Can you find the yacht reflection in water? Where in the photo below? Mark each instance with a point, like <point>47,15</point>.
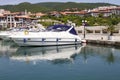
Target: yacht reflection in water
<point>50,53</point>
<point>7,48</point>
<point>59,54</point>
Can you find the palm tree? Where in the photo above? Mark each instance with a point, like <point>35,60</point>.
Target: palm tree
<point>111,29</point>
<point>111,25</point>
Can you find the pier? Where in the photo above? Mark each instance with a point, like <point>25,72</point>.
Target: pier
<point>102,39</point>
<point>104,42</point>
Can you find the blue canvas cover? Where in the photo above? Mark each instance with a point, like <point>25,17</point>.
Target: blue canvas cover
<point>59,28</point>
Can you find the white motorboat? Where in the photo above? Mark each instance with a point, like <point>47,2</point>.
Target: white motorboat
<point>4,34</point>
<point>54,35</point>
<point>18,31</point>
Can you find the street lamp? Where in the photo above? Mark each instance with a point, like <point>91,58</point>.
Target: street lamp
<point>84,23</point>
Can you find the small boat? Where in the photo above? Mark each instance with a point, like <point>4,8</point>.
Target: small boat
<point>4,35</point>
<point>53,35</point>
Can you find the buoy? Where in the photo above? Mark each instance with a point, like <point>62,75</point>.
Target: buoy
<point>26,32</point>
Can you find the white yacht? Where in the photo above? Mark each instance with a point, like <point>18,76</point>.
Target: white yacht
<point>18,31</point>
<point>54,35</point>
<point>4,34</point>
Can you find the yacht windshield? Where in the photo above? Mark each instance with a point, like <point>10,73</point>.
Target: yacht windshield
<point>58,28</point>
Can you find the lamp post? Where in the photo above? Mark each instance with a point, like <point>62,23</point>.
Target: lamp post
<point>84,23</point>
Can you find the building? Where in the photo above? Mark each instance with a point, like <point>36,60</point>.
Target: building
<point>76,13</point>
<point>115,11</point>
<point>55,13</point>
<point>104,13</point>
<point>2,20</point>
<point>10,20</point>
<point>38,15</point>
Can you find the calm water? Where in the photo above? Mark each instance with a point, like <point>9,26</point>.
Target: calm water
<point>83,62</point>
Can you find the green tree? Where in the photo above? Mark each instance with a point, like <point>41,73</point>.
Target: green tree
<point>111,25</point>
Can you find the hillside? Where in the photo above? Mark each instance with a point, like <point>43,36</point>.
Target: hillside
<point>50,6</point>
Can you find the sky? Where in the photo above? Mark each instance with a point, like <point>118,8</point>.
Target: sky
<point>5,2</point>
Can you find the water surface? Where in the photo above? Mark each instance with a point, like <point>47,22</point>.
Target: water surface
<point>73,62</point>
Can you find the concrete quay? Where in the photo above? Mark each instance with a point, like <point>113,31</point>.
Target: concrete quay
<point>104,42</point>
<point>102,39</point>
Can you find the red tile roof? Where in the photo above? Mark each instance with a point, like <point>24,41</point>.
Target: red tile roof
<point>22,16</point>
<point>76,12</point>
<point>1,15</point>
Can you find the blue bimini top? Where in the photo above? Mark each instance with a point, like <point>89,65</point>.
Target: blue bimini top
<point>59,28</point>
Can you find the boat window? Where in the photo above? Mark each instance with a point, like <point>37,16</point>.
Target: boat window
<point>58,28</point>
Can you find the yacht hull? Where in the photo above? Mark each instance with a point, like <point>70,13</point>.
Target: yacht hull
<point>45,41</point>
